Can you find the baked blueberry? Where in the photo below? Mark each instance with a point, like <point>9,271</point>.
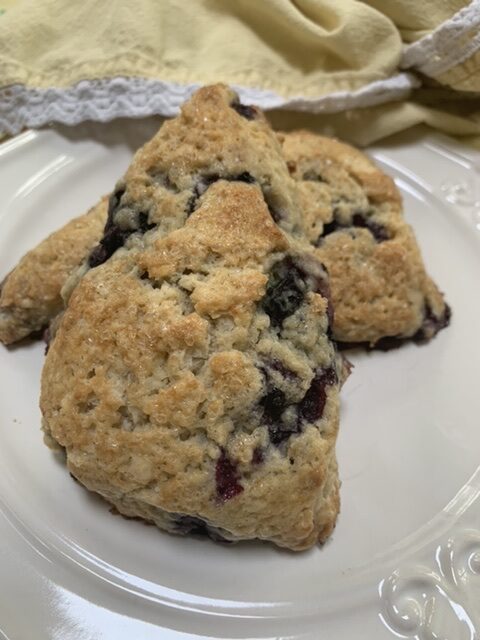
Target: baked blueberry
<point>227,478</point>
<point>310,408</point>
<point>246,111</point>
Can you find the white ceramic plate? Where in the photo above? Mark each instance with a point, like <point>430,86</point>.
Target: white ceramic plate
<point>405,557</point>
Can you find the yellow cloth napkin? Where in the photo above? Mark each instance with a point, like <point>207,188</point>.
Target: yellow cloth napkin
<point>293,48</point>
<point>414,19</point>
<point>328,64</point>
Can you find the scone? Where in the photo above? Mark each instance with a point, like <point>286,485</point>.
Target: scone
<point>30,294</point>
<point>192,381</point>
<point>381,292</point>
<point>352,214</point>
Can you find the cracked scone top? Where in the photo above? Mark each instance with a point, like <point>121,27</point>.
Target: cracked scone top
<point>353,216</point>
<point>191,380</point>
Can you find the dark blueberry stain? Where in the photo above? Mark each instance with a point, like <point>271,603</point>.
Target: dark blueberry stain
<point>432,324</point>
<point>197,526</point>
<point>286,288</point>
<point>258,456</point>
<point>246,111</point>
<point>274,404</point>
<point>227,478</point>
<point>113,236</point>
<point>377,230</point>
<point>244,177</point>
<point>311,407</point>
<point>189,524</point>
<point>143,224</point>
<point>113,239</point>
<point>388,343</point>
<point>359,220</point>
<point>330,227</point>
<point>285,292</point>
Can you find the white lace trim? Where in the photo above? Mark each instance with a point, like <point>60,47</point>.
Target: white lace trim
<point>450,44</point>
<point>109,98</point>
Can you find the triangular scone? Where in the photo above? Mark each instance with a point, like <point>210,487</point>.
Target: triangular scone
<point>30,294</point>
<point>353,216</point>
<point>192,381</point>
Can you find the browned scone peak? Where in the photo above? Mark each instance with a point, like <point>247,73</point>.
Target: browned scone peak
<point>192,381</point>
<point>214,138</point>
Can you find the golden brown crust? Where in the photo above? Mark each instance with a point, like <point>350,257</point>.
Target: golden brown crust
<point>353,215</point>
<point>30,295</point>
<point>174,388</point>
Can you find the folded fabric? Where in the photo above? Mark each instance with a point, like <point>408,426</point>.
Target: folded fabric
<point>415,20</point>
<point>68,62</point>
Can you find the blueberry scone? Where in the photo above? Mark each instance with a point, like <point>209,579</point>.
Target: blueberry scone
<point>30,294</point>
<point>192,381</point>
<point>353,216</point>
